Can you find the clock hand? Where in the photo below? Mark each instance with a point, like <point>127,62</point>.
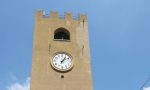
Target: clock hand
<point>63,60</point>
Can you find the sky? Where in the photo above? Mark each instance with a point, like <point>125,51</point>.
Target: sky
<point>119,41</point>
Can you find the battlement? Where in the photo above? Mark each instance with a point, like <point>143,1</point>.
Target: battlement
<point>67,16</point>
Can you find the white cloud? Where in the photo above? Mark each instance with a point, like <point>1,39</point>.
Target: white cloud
<point>18,86</point>
<point>147,88</point>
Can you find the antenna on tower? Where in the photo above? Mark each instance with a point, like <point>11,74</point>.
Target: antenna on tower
<point>147,80</point>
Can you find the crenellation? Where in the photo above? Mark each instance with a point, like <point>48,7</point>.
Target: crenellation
<point>66,16</point>
<point>54,14</point>
<point>40,13</point>
<point>83,17</point>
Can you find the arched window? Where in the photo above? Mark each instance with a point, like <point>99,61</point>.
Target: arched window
<point>61,34</point>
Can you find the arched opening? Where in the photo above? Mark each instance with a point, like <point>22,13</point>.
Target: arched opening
<point>61,34</point>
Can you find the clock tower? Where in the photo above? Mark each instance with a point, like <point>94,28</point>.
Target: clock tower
<point>61,54</point>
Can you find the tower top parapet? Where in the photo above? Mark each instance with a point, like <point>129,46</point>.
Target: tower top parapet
<point>67,15</point>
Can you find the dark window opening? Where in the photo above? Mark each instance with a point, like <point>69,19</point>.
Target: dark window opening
<point>62,34</point>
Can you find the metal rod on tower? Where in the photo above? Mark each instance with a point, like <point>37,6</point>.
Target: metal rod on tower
<point>147,80</point>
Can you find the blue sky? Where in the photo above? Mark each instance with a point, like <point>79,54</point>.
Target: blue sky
<point>119,40</point>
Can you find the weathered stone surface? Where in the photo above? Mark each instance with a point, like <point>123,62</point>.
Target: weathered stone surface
<point>44,77</point>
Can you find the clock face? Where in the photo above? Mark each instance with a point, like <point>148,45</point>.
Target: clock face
<point>62,62</point>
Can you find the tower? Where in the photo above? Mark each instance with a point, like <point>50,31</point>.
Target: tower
<point>61,54</point>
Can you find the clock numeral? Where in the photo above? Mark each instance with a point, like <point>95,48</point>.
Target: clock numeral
<point>59,55</point>
<point>56,57</point>
<point>62,67</point>
<point>69,60</point>
<point>66,66</point>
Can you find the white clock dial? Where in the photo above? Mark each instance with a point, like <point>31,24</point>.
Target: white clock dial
<point>62,62</point>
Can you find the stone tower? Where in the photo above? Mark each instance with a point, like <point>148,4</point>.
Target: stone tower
<point>61,54</point>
